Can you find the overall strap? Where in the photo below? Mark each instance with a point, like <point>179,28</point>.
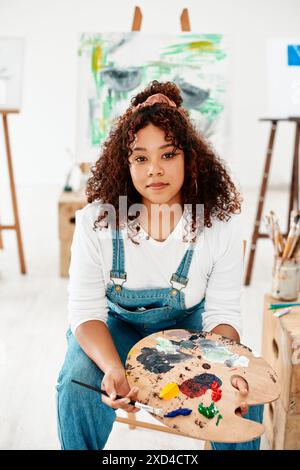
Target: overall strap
<point>118,261</point>
<point>181,274</point>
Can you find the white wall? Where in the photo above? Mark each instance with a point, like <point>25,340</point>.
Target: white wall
<point>46,125</point>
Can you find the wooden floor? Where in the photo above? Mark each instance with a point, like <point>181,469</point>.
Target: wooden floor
<point>33,320</point>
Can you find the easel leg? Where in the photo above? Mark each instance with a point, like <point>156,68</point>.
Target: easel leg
<point>137,19</point>
<point>13,195</point>
<point>185,20</point>
<point>294,188</point>
<point>1,239</point>
<point>263,188</point>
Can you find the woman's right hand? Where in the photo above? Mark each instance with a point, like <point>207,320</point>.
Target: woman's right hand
<point>115,383</point>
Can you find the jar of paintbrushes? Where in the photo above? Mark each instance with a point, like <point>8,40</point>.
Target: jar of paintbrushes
<point>286,267</point>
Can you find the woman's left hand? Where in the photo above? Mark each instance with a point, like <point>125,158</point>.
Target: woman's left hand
<point>239,383</point>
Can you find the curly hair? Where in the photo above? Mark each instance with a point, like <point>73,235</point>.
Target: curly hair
<point>206,178</point>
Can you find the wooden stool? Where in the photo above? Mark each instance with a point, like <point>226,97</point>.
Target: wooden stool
<point>281,349</point>
<point>69,203</point>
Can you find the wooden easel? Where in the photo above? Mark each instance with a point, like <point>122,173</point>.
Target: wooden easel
<point>16,225</point>
<point>131,420</point>
<point>294,187</point>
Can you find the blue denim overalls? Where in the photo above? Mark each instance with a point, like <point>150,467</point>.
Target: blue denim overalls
<point>83,420</point>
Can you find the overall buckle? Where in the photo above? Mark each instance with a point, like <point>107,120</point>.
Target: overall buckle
<point>118,286</point>
<point>183,282</point>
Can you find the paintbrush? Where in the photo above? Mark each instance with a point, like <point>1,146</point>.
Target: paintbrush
<point>297,249</point>
<point>282,312</point>
<point>267,221</point>
<point>272,219</point>
<point>292,236</point>
<point>287,304</point>
<point>279,238</point>
<point>274,232</point>
<point>296,237</point>
<point>137,404</point>
<point>278,249</point>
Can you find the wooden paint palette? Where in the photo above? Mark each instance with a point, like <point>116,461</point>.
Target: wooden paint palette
<point>202,365</point>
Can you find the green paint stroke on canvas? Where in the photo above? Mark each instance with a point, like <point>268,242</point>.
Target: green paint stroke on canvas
<point>86,42</point>
<point>195,50</point>
<point>97,64</point>
<point>211,108</point>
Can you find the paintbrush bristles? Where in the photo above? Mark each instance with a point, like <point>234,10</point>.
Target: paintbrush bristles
<point>296,238</point>
<point>150,409</point>
<point>284,248</point>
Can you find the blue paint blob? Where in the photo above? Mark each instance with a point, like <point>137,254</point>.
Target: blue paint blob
<point>178,412</point>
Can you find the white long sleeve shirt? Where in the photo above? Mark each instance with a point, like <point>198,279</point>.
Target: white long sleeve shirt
<point>215,272</point>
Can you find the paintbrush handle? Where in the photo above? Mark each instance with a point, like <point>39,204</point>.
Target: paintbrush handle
<point>280,240</point>
<point>277,245</point>
<point>289,243</point>
<point>293,244</point>
<point>295,240</point>
<point>289,304</point>
<point>103,392</point>
<point>297,249</point>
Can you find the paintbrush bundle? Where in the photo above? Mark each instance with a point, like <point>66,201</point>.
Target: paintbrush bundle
<point>188,374</point>
<point>286,268</point>
<point>284,248</point>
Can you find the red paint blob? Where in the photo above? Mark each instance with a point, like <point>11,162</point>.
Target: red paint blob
<point>216,395</point>
<point>215,386</point>
<point>192,389</point>
<point>217,392</point>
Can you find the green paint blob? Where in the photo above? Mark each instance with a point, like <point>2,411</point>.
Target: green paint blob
<point>208,411</point>
<point>218,419</point>
<point>214,352</point>
<point>166,346</point>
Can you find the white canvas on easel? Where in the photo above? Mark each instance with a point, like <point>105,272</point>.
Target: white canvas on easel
<point>11,71</point>
<point>113,67</point>
<point>283,62</point>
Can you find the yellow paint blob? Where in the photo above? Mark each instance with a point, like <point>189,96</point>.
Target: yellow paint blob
<point>171,390</point>
<point>132,351</point>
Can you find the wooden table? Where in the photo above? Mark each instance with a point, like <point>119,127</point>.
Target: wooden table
<point>68,204</point>
<point>281,349</point>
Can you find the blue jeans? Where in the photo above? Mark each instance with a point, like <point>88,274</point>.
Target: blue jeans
<point>84,421</point>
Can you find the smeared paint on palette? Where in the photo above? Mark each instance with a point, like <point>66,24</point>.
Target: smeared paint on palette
<point>160,362</point>
<point>179,370</point>
<point>166,346</point>
<point>198,385</point>
<point>212,351</point>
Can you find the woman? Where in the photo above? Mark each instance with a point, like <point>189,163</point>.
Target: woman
<point>157,263</point>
